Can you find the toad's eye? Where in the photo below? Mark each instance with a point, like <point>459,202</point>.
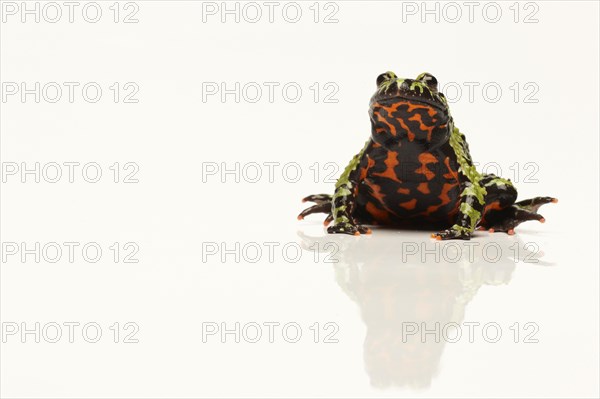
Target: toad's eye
<point>429,80</point>
<point>385,77</point>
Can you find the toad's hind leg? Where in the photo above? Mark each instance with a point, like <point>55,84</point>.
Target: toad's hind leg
<point>501,212</point>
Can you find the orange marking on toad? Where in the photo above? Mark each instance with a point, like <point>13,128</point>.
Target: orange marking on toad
<point>409,205</point>
<point>425,159</point>
<point>390,163</point>
<point>424,188</point>
<point>422,126</point>
<point>452,174</point>
<point>377,213</point>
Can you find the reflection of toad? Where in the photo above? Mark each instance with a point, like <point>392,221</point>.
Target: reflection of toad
<point>391,294</point>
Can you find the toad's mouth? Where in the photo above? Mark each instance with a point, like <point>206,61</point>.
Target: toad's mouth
<point>412,98</point>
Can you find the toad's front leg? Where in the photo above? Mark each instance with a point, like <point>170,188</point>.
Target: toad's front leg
<point>343,209</point>
<point>469,213</point>
<point>344,200</point>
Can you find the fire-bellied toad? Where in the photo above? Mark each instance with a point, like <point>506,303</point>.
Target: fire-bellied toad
<point>416,171</point>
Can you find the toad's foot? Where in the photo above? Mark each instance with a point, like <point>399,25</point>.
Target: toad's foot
<point>453,233</point>
<point>507,219</point>
<point>323,205</point>
<point>348,228</point>
<point>318,198</point>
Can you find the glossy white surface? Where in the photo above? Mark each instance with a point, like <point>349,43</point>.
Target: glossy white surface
<point>367,294</point>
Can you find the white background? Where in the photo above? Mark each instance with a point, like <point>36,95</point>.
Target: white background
<point>375,285</point>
